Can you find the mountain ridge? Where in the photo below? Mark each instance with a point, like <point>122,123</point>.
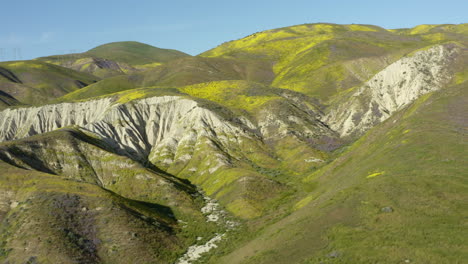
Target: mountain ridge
<point>334,143</point>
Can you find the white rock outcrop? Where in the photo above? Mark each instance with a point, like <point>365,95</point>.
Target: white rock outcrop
<point>134,128</point>
<point>391,89</point>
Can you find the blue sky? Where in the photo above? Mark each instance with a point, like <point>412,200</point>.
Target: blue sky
<point>39,28</point>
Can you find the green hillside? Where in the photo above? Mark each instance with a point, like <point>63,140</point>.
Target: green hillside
<point>35,82</point>
<point>135,53</point>
<point>396,194</point>
<point>116,58</point>
<point>327,58</point>
<point>181,72</point>
<point>7,100</point>
<point>315,143</point>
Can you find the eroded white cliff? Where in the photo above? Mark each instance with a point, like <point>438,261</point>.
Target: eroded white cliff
<point>136,128</point>
<point>390,90</point>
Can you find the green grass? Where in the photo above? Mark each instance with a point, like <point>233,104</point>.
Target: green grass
<point>327,59</point>
<point>178,73</point>
<point>123,210</point>
<point>123,58</point>
<point>135,53</point>
<point>104,87</point>
<point>233,94</point>
<point>321,59</point>
<point>6,100</point>
<point>40,82</point>
<point>297,204</point>
<point>51,224</point>
<point>418,170</point>
<point>130,52</point>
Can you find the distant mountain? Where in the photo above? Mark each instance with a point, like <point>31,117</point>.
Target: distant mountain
<point>116,58</point>
<point>135,53</point>
<point>181,72</point>
<point>315,143</point>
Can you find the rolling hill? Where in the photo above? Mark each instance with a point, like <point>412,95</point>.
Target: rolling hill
<point>315,143</point>
<point>35,82</point>
<point>116,58</point>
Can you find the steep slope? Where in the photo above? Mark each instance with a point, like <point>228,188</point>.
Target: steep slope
<point>83,158</point>
<point>197,139</point>
<point>321,60</point>
<point>7,100</point>
<point>141,131</point>
<point>52,219</point>
<point>396,195</point>
<point>34,82</point>
<point>333,143</point>
<point>142,199</point>
<point>393,88</point>
<point>180,72</point>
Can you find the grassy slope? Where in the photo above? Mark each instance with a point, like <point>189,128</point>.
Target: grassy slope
<point>101,68</point>
<point>338,203</point>
<point>145,218</point>
<point>129,52</point>
<point>7,100</point>
<point>37,82</point>
<point>430,30</point>
<point>412,163</point>
<point>47,223</point>
<point>327,59</point>
<point>281,160</point>
<point>115,58</point>
<point>107,86</point>
<point>323,59</point>
<point>135,53</point>
<point>176,73</point>
<point>241,95</point>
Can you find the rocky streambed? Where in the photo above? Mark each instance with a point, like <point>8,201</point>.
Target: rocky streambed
<point>213,212</point>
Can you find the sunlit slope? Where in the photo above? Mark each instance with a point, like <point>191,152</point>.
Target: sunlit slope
<point>323,59</point>
<point>35,82</point>
<point>129,52</point>
<point>116,58</point>
<point>219,135</point>
<point>323,143</point>
<point>91,199</point>
<point>429,69</point>
<point>50,218</point>
<point>181,72</point>
<point>7,100</point>
<point>396,194</point>
<point>319,60</point>
<point>135,53</point>
<point>102,68</point>
<point>437,32</point>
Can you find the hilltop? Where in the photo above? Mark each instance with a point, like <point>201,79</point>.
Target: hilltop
<point>315,143</point>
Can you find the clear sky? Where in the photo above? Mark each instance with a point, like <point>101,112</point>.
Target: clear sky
<point>33,28</point>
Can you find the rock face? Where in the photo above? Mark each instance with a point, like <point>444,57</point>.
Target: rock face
<point>182,136</point>
<point>133,128</point>
<point>392,89</point>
